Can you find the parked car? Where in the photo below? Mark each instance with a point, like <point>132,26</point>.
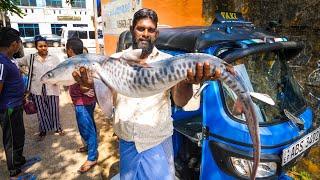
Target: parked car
<point>211,141</point>
<point>52,39</point>
<point>86,34</point>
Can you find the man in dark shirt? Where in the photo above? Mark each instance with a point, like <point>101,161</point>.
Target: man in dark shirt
<point>11,96</point>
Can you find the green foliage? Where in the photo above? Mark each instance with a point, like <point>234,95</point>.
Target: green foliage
<point>297,173</point>
<point>305,175</point>
<point>8,5</point>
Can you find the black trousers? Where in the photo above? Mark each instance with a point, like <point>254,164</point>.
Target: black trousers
<point>11,121</point>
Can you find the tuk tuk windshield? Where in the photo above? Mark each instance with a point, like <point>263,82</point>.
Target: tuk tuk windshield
<point>269,74</point>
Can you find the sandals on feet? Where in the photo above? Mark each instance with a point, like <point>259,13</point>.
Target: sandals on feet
<point>87,166</point>
<point>41,136</point>
<point>60,132</point>
<point>82,149</point>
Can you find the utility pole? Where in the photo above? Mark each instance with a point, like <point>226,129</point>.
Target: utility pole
<point>95,25</point>
<point>3,16</point>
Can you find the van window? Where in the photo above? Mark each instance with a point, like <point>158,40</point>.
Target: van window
<point>91,35</point>
<point>83,34</point>
<point>72,34</point>
<point>78,34</point>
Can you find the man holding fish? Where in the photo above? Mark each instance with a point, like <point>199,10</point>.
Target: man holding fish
<point>144,125</point>
<point>143,79</point>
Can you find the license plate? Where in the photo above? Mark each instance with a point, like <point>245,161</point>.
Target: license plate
<point>300,146</point>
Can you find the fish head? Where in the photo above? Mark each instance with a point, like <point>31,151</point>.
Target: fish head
<point>61,75</point>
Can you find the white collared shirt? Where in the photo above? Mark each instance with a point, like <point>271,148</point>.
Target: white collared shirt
<point>145,121</point>
<point>39,69</point>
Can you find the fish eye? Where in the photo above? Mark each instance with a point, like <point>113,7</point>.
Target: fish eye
<point>50,74</point>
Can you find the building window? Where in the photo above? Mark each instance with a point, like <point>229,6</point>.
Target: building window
<point>79,34</point>
<point>92,35</point>
<point>80,25</point>
<point>79,3</point>
<point>25,2</point>
<point>28,30</point>
<point>53,3</point>
<point>56,28</point>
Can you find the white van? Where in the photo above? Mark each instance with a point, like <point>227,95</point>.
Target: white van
<point>86,34</point>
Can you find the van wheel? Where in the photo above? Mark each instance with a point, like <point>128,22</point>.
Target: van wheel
<point>55,44</point>
<point>29,45</point>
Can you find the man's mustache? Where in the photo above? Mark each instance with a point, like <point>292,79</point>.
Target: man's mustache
<point>145,40</point>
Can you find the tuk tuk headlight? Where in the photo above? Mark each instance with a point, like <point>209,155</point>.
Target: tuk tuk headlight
<point>243,166</point>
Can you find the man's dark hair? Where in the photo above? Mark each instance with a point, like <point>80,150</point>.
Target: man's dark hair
<point>145,13</point>
<point>75,44</point>
<point>39,38</point>
<point>8,36</point>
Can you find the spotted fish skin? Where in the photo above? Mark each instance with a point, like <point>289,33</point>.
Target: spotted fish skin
<point>140,81</point>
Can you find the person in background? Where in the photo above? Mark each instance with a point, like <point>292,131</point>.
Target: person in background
<point>84,104</point>
<point>46,96</point>
<point>144,125</point>
<point>11,96</point>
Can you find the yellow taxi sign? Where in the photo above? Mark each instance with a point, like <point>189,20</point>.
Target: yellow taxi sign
<point>224,16</point>
<point>229,15</point>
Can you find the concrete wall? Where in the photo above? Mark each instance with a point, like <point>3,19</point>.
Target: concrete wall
<point>177,13</point>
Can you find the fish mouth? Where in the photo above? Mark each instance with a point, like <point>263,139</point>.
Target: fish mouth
<point>43,79</point>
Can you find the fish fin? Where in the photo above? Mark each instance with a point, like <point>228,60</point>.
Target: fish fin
<point>133,58</point>
<point>133,55</point>
<point>104,97</point>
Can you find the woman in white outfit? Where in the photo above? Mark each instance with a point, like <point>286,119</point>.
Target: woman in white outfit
<point>46,96</point>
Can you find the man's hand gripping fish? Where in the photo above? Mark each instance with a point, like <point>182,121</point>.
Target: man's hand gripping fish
<point>122,76</point>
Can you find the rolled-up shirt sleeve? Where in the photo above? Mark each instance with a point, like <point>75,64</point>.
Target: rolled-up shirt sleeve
<point>24,61</point>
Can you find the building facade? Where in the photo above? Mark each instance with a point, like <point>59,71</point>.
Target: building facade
<point>48,16</point>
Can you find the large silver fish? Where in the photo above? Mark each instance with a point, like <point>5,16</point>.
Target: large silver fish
<point>142,81</point>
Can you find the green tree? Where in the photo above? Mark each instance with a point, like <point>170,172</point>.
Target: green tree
<point>8,5</point>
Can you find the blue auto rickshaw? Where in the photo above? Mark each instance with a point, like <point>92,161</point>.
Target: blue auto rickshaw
<point>212,141</point>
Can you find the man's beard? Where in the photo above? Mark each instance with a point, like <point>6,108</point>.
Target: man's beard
<point>146,47</point>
